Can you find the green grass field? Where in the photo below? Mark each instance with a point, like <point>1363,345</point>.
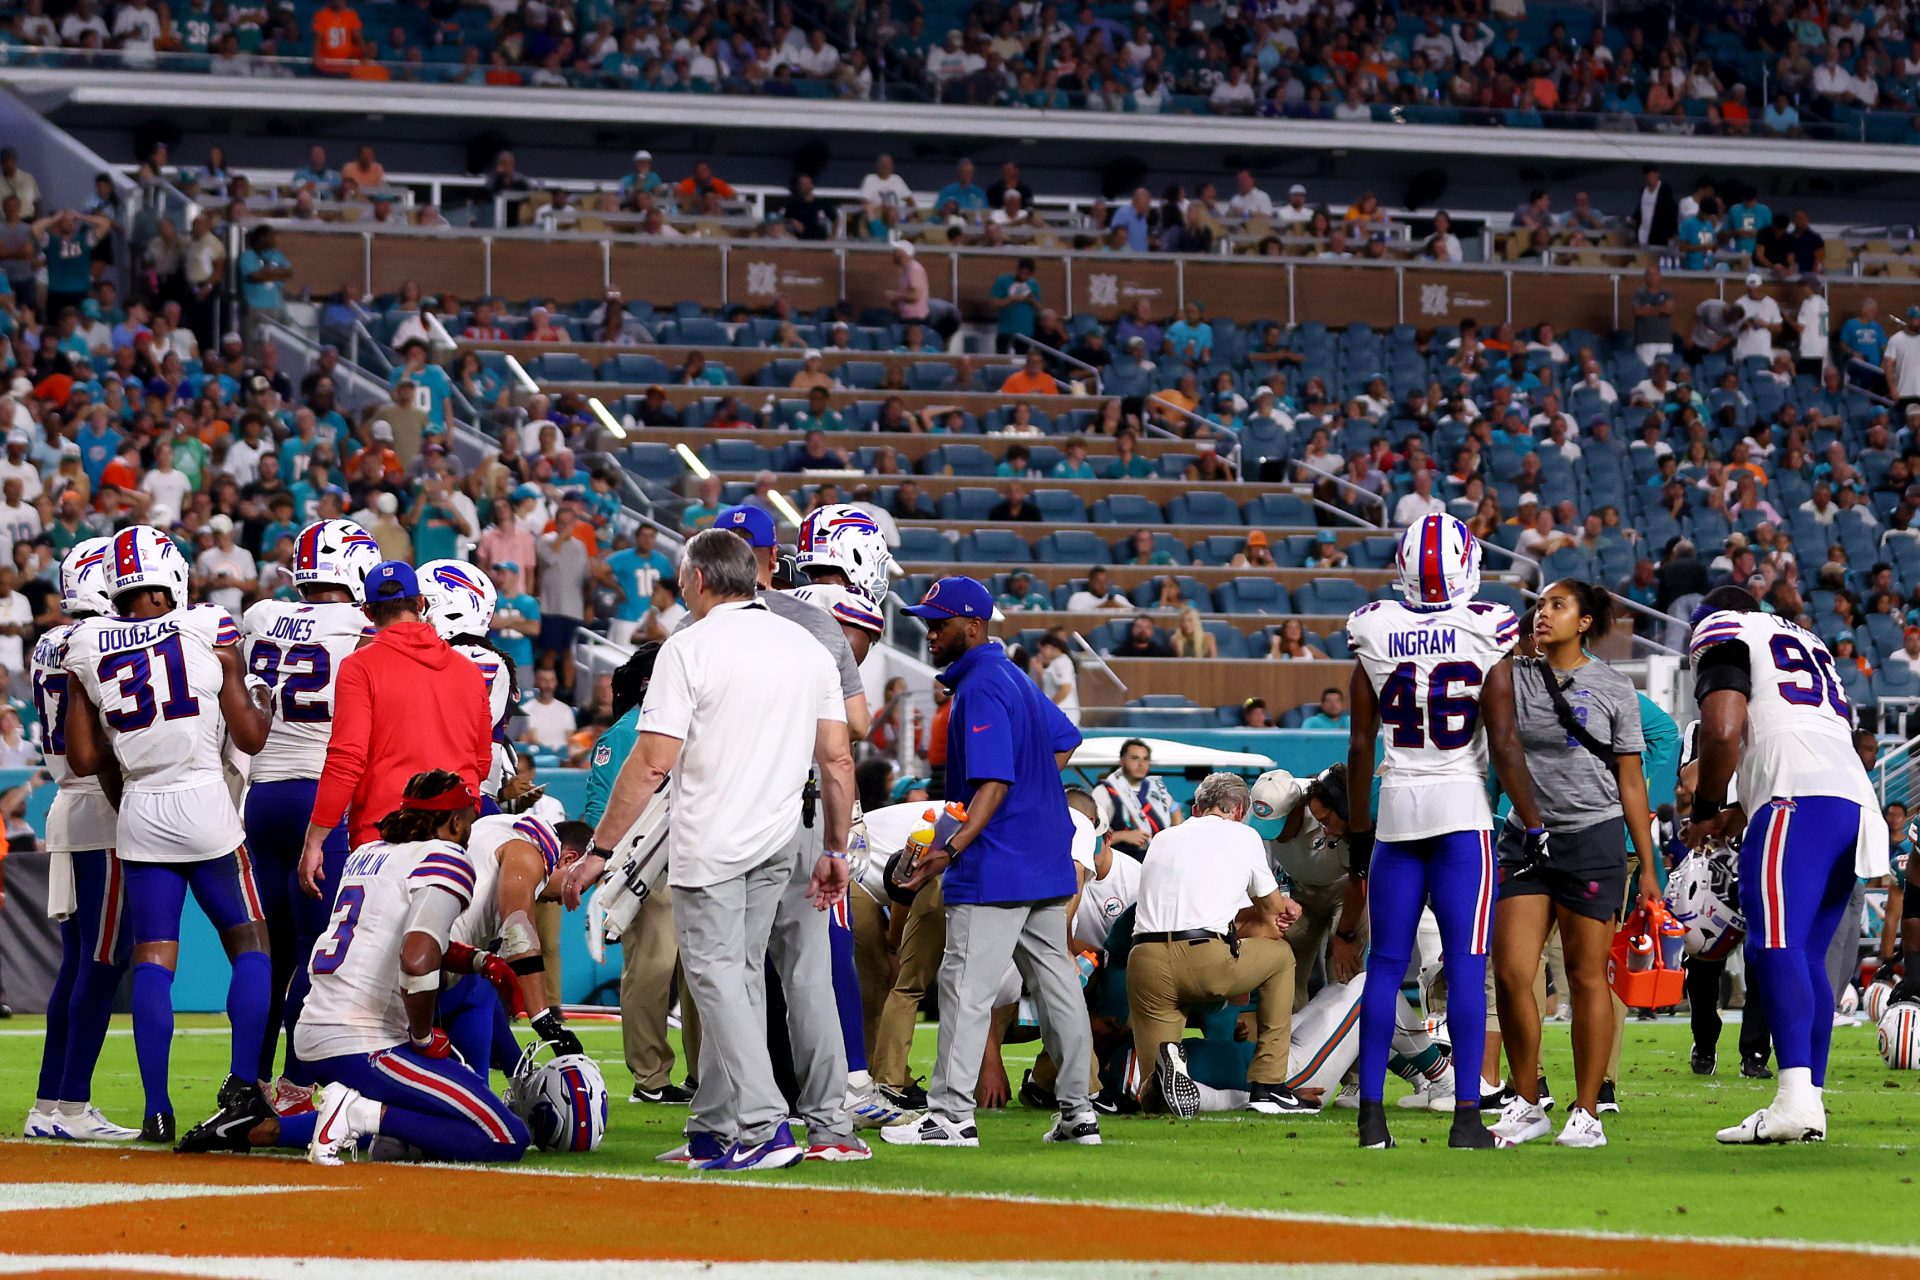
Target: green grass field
<point>1662,1172</point>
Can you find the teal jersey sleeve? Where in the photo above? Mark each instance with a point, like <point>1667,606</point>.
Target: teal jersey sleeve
<point>1661,759</point>
<point>609,754</point>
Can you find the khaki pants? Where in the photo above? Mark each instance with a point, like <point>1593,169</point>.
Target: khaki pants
<point>649,962</point>
<point>922,943</point>
<point>869,959</point>
<point>1165,978</point>
<point>1320,912</point>
<point>548,919</point>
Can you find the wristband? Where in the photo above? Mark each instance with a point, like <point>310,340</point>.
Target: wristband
<point>1347,935</point>
<point>1704,809</point>
<point>836,856</point>
<point>1536,831</point>
<point>953,854</point>
<point>535,963</point>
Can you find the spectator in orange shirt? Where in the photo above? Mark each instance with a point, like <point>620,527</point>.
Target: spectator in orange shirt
<point>703,182</point>
<point>572,504</point>
<point>337,41</point>
<point>124,471</point>
<point>364,171</point>
<point>1033,380</point>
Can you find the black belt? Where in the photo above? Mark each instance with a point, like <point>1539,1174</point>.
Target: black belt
<point>1189,936</point>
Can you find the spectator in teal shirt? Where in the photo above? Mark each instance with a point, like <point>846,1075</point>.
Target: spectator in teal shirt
<point>516,619</point>
<point>966,196</point>
<point>1698,236</point>
<point>1016,296</point>
<point>616,744</point>
<point>435,522</point>
<point>1745,222</point>
<point>67,239</point>
<point>1332,713</point>
<point>1862,336</point>
<point>262,268</point>
<point>1074,466</point>
<point>1190,338</point>
<point>636,569</point>
<point>428,378</point>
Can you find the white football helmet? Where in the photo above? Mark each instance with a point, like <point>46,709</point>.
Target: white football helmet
<point>1701,894</point>
<point>848,539</point>
<point>1439,561</point>
<point>1877,999</point>
<point>144,558</point>
<point>1900,1036</point>
<point>460,597</point>
<point>85,585</point>
<point>563,1101</point>
<point>335,553</point>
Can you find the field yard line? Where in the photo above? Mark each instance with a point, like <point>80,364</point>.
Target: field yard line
<point>39,1033</point>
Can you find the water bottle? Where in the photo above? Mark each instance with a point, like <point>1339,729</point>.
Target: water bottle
<point>1673,938</point>
<point>1640,952</point>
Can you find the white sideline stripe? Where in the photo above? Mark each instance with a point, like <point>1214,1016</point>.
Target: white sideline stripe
<point>581,1029</point>
<point>21,1196</point>
<point>267,1268</point>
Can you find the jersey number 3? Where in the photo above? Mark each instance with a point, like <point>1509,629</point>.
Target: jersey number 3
<point>332,951</point>
<point>1448,719</point>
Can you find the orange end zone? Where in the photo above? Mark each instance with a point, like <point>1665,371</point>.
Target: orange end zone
<point>437,1213</point>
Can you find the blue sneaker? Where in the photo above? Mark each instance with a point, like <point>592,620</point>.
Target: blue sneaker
<point>698,1149</point>
<point>777,1152</point>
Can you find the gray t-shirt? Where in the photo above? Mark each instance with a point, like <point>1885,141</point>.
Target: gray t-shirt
<point>563,576</point>
<point>1310,859</point>
<point>1574,787</point>
<point>16,237</point>
<point>1656,327</point>
<point>821,626</point>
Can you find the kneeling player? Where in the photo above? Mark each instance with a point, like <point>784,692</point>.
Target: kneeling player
<point>367,1031</point>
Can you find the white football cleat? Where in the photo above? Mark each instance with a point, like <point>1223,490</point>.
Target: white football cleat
<point>38,1124</point>
<point>1582,1130</point>
<point>1520,1121</point>
<point>1771,1124</point>
<point>869,1108</point>
<point>1348,1099</point>
<point>341,1124</point>
<point>1431,1093</point>
<point>89,1125</point>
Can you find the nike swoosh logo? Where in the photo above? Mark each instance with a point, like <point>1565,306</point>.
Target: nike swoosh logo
<point>326,1129</point>
<point>981,728</point>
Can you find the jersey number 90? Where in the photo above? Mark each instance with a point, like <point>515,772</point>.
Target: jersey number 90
<point>1448,718</point>
<point>1793,658</point>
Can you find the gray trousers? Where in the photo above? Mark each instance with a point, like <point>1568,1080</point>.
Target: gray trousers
<point>803,957</point>
<point>723,930</point>
<point>1843,953</point>
<point>981,939</point>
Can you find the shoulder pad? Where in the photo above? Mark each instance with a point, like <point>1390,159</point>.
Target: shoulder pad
<point>536,832</point>
<point>1716,628</point>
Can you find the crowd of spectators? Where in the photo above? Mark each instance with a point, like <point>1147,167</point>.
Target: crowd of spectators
<point>1751,67</point>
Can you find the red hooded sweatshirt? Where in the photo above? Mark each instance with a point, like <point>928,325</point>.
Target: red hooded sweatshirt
<point>405,703</point>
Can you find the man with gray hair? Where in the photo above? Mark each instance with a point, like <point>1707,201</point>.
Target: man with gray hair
<point>736,729</point>
<point>1203,884</point>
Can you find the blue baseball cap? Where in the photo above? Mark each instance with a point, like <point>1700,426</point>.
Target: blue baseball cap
<point>751,523</point>
<point>392,580</point>
<point>954,598</point>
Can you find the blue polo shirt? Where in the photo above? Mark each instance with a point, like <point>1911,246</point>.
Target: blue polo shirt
<point>1003,729</point>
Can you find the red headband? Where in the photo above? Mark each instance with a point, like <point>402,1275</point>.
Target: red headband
<point>446,802</point>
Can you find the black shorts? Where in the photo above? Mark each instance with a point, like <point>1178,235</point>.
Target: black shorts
<point>557,632</point>
<point>1585,872</point>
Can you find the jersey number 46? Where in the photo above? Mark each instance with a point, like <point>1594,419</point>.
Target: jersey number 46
<point>1444,718</point>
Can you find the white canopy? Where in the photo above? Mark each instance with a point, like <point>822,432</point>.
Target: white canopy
<point>1104,753</point>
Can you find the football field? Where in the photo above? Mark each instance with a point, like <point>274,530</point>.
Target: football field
<point>1257,1189</point>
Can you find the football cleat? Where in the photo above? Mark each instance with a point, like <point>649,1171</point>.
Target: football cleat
<point>1703,1064</point>
<point>1081,1130</point>
<point>910,1097</point>
<point>1182,1095</point>
<point>1036,1096</point>
<point>696,1150</point>
<point>1609,1103</point>
<point>930,1130</point>
<point>88,1125</point>
<point>1373,1127</point>
<point>39,1124</point>
<point>1348,1099</point>
<point>1430,1093</point>
<point>667,1095</point>
<point>1582,1130</point>
<point>1754,1067</point>
<point>158,1127</point>
<point>290,1099</point>
<point>1277,1100</point>
<point>868,1108</point>
<point>1521,1121</point>
<point>851,1149</point>
<point>242,1106</point>
<point>778,1152</point>
<point>1469,1132</point>
<point>1770,1124</point>
<point>337,1129</point>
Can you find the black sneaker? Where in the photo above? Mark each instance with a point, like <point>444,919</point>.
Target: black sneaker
<point>1278,1100</point>
<point>1545,1094</point>
<point>1608,1104</point>
<point>1703,1064</point>
<point>668,1094</point>
<point>910,1097</point>
<point>1373,1127</point>
<point>241,1108</point>
<point>1755,1067</point>
<point>158,1128</point>
<point>1469,1132</point>
<point>1498,1099</point>
<point>1115,1102</point>
<point>1032,1095</point>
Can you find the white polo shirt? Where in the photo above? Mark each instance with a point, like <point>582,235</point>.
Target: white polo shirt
<point>744,691</point>
<point>1200,875</point>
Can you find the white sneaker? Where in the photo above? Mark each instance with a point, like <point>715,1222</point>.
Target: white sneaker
<point>930,1130</point>
<point>90,1126</point>
<point>1176,1086</point>
<point>342,1121</point>
<point>1772,1124</point>
<point>1082,1130</point>
<point>1520,1121</point>
<point>868,1108</point>
<point>38,1124</point>
<point>1582,1130</point>
<point>1348,1099</point>
<point>1431,1093</point>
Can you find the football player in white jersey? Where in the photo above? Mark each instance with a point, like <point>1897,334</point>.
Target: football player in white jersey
<point>153,695</point>
<point>843,555</point>
<point>85,890</point>
<point>296,648</point>
<point>1771,705</point>
<point>1431,671</point>
<point>369,1030</point>
<point>460,602</point>
<point>515,860</point>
